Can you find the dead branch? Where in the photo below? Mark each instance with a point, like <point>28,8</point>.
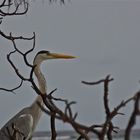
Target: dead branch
<point>97,82</point>
<point>11,37</point>
<point>53,129</point>
<point>108,127</point>
<point>135,113</point>
<point>13,89</point>
<point>67,116</point>
<point>11,4</point>
<point>16,50</point>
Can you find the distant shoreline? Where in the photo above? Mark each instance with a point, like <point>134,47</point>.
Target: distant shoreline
<point>73,134</point>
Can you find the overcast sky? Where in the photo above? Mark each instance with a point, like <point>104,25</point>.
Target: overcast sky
<point>104,34</point>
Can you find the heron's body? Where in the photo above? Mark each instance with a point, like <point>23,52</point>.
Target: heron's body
<point>23,124</point>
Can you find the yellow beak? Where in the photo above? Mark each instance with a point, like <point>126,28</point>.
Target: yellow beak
<point>61,56</point>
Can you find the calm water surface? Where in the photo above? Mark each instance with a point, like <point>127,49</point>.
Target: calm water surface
<point>67,138</point>
<point>75,139</point>
<point>70,135</point>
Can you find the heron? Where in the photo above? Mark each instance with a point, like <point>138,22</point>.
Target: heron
<point>23,124</point>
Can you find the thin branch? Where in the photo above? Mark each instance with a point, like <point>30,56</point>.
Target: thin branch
<point>66,115</point>
<point>13,89</point>
<point>106,88</point>
<point>108,127</point>
<point>69,110</point>
<point>15,12</point>
<point>29,51</point>
<point>95,83</point>
<point>117,108</point>
<point>14,67</point>
<point>108,122</point>
<point>16,50</point>
<point>53,130</point>
<point>11,37</point>
<point>135,113</point>
<point>3,3</point>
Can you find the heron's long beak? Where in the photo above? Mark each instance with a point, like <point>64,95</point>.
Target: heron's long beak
<point>61,56</point>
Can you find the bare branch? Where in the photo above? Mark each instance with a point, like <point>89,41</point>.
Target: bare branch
<point>14,67</point>
<point>97,82</point>
<point>53,130</point>
<point>108,127</point>
<point>135,113</point>
<point>16,50</point>
<point>3,3</point>
<point>106,104</point>
<point>117,108</point>
<point>29,51</point>
<point>13,89</point>
<point>11,37</point>
<point>49,101</point>
<point>16,11</point>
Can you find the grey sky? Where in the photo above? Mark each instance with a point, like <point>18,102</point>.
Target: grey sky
<point>105,35</point>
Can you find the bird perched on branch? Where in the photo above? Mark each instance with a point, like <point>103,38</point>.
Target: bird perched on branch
<point>23,124</point>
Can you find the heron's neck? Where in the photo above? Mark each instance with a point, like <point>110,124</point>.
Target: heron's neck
<point>41,83</point>
<point>41,79</point>
<point>36,110</point>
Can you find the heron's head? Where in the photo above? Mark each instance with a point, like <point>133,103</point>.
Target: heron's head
<point>45,55</point>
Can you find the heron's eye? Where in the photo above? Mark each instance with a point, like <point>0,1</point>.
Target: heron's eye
<point>47,52</point>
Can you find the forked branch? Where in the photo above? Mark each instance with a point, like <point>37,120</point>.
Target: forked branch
<point>107,128</point>
<point>67,115</point>
<point>135,113</point>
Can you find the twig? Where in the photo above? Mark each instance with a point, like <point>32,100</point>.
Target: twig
<point>15,12</point>
<point>13,89</point>
<point>53,130</point>
<point>97,82</point>
<point>11,37</point>
<point>135,113</point>
<point>14,67</point>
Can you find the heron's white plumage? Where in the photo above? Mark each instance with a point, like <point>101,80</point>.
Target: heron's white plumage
<point>30,118</point>
<point>23,124</point>
<point>30,123</point>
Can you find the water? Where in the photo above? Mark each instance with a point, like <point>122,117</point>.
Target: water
<point>70,135</point>
<point>64,138</point>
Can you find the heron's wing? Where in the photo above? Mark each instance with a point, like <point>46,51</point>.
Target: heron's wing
<point>24,125</point>
<point>19,128</point>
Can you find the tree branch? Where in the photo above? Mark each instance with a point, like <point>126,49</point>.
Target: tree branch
<point>135,113</point>
<point>13,89</point>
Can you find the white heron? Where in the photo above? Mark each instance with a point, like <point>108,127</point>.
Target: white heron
<point>23,124</point>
